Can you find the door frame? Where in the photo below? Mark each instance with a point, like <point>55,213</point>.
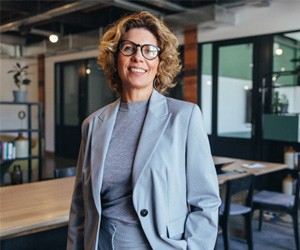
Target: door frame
<point>60,128</point>
<point>262,63</point>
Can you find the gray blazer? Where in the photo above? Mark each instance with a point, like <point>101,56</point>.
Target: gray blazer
<point>175,186</point>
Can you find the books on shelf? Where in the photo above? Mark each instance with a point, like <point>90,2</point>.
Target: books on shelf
<point>8,150</point>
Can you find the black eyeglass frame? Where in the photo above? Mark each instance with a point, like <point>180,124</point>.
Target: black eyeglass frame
<point>136,46</point>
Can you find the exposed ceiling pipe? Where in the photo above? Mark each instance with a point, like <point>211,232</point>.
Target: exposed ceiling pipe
<point>166,5</point>
<point>65,9</point>
<point>210,16</point>
<point>69,8</point>
<point>134,7</point>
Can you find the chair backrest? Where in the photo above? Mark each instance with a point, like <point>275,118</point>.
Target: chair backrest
<point>241,184</point>
<point>65,172</point>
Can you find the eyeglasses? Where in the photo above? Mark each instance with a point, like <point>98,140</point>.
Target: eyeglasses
<point>128,48</point>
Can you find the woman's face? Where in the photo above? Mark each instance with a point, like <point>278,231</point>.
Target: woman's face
<point>136,72</point>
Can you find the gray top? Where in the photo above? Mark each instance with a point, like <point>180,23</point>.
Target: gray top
<point>116,191</point>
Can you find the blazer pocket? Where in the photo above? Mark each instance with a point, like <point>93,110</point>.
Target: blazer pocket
<point>175,229</point>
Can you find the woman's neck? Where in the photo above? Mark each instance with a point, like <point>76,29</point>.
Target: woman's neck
<point>136,95</point>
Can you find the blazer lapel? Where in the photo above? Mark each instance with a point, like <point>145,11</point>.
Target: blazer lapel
<point>102,131</point>
<point>154,126</point>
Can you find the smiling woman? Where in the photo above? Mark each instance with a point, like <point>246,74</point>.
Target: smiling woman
<point>165,40</point>
<point>145,175</point>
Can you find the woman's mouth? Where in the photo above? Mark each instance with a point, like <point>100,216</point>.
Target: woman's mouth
<point>137,70</point>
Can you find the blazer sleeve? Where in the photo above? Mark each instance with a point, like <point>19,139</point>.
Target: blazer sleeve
<point>75,238</point>
<point>202,187</point>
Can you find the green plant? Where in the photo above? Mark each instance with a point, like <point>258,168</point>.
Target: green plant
<point>275,102</point>
<point>284,99</point>
<point>20,75</point>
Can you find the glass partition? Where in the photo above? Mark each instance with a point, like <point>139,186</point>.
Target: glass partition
<point>234,90</point>
<point>286,73</point>
<point>98,91</point>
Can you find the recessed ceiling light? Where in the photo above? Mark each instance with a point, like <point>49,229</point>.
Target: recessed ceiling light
<point>53,38</point>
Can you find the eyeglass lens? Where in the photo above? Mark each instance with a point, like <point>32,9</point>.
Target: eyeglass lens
<point>128,48</point>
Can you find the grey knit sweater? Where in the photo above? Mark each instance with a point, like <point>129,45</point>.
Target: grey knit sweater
<point>116,191</point>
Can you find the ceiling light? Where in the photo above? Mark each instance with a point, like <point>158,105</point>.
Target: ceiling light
<point>53,38</point>
<point>88,71</point>
<point>279,52</point>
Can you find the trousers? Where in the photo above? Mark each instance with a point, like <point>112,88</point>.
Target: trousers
<point>114,236</point>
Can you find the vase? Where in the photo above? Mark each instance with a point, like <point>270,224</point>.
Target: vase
<point>20,95</point>
<point>284,108</point>
<point>17,175</point>
<point>22,145</point>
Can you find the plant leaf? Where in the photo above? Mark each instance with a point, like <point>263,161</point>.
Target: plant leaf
<point>26,81</point>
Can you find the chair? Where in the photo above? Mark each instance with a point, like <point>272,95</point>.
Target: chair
<point>228,208</point>
<point>65,172</point>
<point>280,202</point>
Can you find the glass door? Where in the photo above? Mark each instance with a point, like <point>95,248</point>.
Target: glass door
<point>234,91</point>
<point>81,89</point>
<point>234,96</point>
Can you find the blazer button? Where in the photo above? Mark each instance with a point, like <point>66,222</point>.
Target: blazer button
<point>144,212</point>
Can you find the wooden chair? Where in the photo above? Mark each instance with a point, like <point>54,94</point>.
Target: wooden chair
<point>228,208</point>
<point>65,172</point>
<point>280,202</point>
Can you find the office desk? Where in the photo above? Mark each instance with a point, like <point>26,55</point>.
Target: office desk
<point>233,168</point>
<point>35,207</point>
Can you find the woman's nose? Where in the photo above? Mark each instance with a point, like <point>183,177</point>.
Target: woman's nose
<point>138,55</point>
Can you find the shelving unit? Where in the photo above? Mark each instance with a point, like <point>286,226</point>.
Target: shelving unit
<point>29,132</point>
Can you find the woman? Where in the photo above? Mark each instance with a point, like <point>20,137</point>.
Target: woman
<point>145,177</point>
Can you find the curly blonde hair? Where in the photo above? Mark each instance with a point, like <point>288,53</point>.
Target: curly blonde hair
<point>169,62</point>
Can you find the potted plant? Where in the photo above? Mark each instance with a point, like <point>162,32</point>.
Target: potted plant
<point>275,102</point>
<point>284,104</point>
<point>20,77</point>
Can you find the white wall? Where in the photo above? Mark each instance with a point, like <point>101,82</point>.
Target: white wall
<point>9,114</point>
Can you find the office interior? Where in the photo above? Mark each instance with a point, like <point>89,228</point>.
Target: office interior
<point>241,65</point>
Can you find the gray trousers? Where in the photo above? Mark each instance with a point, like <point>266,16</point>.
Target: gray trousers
<point>122,237</point>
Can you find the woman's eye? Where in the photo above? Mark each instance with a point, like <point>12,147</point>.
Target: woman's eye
<point>128,48</point>
<point>150,50</point>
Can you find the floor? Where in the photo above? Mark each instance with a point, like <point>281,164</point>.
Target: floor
<point>276,234</point>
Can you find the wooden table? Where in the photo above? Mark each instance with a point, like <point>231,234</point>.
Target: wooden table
<point>34,207</point>
<point>233,168</point>
<point>38,206</point>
